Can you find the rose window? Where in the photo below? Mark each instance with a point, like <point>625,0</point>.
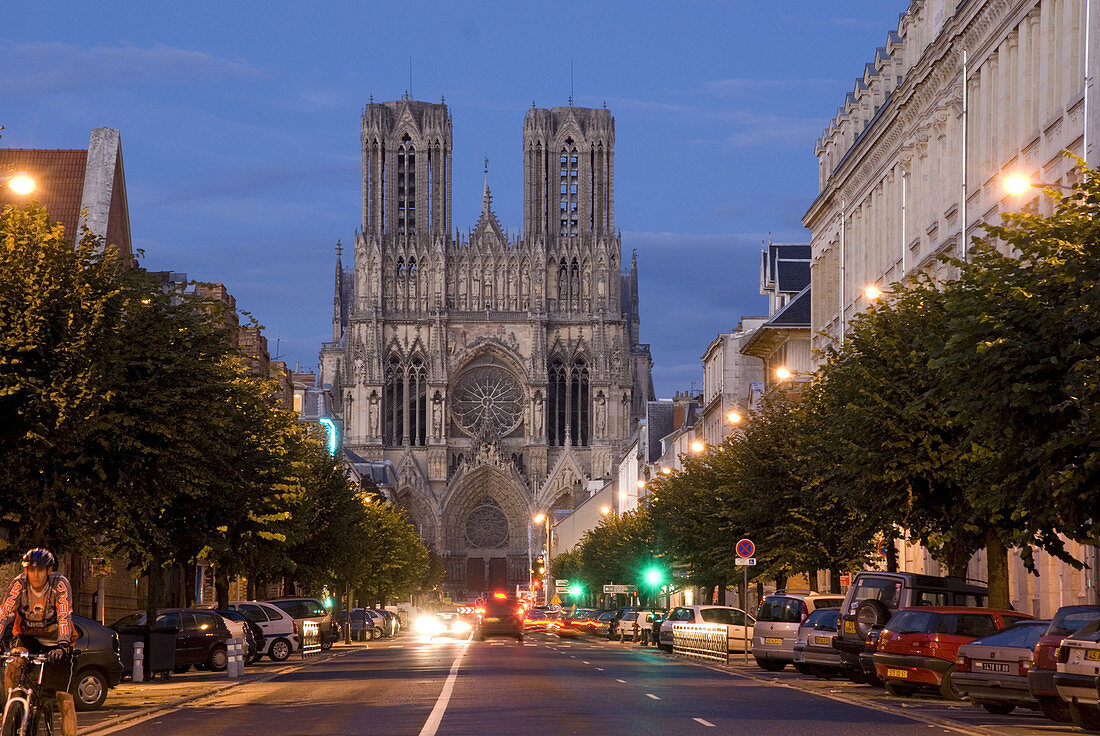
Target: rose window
<point>487,398</point>
<point>486,526</point>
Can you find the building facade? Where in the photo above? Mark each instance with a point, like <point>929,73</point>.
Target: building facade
<point>729,380</point>
<point>497,373</point>
<point>960,96</point>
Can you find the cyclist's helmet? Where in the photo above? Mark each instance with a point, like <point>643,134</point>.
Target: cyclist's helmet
<point>39,557</point>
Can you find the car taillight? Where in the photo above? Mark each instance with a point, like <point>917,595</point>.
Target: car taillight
<point>1025,667</point>
<point>873,639</point>
<point>1061,654</point>
<point>962,664</point>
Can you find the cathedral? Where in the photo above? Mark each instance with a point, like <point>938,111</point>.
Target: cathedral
<point>499,374</point>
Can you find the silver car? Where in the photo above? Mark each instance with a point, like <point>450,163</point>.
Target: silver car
<point>777,622</point>
<point>814,654</point>
<point>1078,667</point>
<point>993,670</point>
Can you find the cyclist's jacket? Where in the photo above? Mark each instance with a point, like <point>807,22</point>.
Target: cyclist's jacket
<point>46,615</point>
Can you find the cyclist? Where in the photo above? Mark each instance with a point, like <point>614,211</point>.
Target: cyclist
<point>41,602</point>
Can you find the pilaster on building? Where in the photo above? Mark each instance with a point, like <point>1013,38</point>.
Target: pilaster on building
<point>959,96</point>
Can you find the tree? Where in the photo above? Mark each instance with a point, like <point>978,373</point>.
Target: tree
<point>61,322</point>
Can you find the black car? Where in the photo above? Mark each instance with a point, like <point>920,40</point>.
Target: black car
<point>503,617</point>
<point>201,636</point>
<point>253,634</point>
<point>98,668</point>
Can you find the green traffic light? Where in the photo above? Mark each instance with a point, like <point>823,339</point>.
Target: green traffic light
<point>575,590</point>
<point>654,577</point>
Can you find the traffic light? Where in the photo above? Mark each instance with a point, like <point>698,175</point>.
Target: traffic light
<point>654,577</point>
<point>576,590</point>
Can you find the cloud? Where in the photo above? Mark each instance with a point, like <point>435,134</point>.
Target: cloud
<point>54,67</point>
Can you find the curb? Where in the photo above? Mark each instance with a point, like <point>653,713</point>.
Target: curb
<point>173,704</point>
<point>728,670</point>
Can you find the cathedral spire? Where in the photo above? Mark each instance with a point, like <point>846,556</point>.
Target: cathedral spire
<point>338,297</point>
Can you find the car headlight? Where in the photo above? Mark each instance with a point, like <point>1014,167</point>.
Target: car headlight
<point>429,626</point>
<point>461,627</point>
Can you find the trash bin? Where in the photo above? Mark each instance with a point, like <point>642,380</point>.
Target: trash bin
<point>160,653</point>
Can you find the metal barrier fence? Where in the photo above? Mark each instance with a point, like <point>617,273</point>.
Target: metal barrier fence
<point>310,636</point>
<point>702,641</point>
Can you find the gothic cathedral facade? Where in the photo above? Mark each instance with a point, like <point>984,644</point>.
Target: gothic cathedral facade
<point>499,374</point>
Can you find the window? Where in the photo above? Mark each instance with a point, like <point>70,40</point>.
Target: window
<point>568,399</point>
<point>780,608</point>
<point>253,613</point>
<point>969,600</point>
<point>716,616</point>
<point>1069,619</point>
<point>969,624</point>
<point>929,598</point>
<point>206,622</point>
<point>1024,635</point>
<point>168,621</point>
<point>886,590</point>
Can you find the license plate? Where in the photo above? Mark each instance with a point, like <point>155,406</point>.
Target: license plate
<point>994,667</point>
<point>773,640</point>
<point>1093,655</point>
<point>849,627</point>
<point>491,619</point>
<point>901,674</point>
<point>822,640</point>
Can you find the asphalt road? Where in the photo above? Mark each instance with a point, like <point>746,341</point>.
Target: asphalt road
<point>545,687</point>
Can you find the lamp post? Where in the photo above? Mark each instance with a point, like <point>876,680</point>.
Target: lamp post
<point>542,518</point>
<point>1017,184</point>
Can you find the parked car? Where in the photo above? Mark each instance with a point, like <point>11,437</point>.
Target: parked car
<point>601,625</point>
<point>201,636</point>
<point>390,623</point>
<point>992,671</point>
<point>1078,669</point>
<point>361,626</point>
<point>919,646</point>
<point>98,668</point>
<point>865,660</point>
<point>777,621</point>
<point>280,636</point>
<point>241,627</point>
<point>503,617</point>
<point>536,620</point>
<point>381,623</point>
<point>637,626</point>
<point>1040,680</point>
<point>733,618</point>
<point>814,654</point>
<point>874,597</point>
<point>310,610</point>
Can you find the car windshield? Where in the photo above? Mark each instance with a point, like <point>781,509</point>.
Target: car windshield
<point>824,619</point>
<point>1069,619</point>
<point>1025,635</point>
<point>781,609</point>
<point>886,590</point>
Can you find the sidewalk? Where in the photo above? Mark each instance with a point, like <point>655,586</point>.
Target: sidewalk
<point>133,700</point>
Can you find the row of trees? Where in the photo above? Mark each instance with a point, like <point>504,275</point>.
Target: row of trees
<point>130,427</point>
<point>963,411</point>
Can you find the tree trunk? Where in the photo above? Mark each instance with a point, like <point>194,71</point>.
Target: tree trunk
<point>834,579</point>
<point>997,578</point>
<point>250,589</point>
<point>221,587</point>
<point>780,582</point>
<point>891,552</point>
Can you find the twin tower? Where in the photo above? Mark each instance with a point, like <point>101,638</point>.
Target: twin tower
<point>499,374</point>
<point>568,170</point>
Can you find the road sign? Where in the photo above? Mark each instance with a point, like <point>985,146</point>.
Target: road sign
<point>479,602</point>
<point>745,561</point>
<point>618,589</point>
<point>845,578</point>
<point>745,548</point>
<point>561,583</point>
<point>555,601</point>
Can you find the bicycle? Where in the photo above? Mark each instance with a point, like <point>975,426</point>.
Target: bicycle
<point>29,711</point>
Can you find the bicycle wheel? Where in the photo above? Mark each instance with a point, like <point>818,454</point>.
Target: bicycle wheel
<point>14,715</point>
<point>43,720</point>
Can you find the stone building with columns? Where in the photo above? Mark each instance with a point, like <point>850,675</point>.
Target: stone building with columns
<point>959,96</point>
<point>497,372</point>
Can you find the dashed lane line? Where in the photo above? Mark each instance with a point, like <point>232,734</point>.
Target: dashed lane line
<point>651,695</point>
<point>618,680</point>
<point>705,722</point>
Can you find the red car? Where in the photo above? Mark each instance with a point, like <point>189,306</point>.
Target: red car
<point>919,646</point>
<point>1040,679</point>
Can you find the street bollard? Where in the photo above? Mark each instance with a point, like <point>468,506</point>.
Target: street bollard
<point>139,662</point>
<point>234,668</point>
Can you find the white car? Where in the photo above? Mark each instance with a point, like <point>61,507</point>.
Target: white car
<point>280,637</point>
<point>733,618</point>
<point>1078,675</point>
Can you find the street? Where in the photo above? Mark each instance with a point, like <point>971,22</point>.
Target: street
<point>545,687</point>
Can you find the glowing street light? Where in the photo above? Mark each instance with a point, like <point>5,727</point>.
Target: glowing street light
<point>1017,184</point>
<point>872,292</point>
<point>539,517</point>
<point>698,446</point>
<point>21,183</point>
<point>734,417</point>
<point>666,470</point>
<point>783,373</point>
<point>640,483</point>
<point>605,510</point>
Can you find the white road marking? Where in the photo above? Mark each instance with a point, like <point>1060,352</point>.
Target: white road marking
<point>618,680</point>
<point>704,722</point>
<point>585,662</point>
<point>651,695</point>
<point>599,669</point>
<point>436,716</point>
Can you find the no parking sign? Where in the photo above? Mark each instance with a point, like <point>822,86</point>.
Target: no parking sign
<point>745,548</point>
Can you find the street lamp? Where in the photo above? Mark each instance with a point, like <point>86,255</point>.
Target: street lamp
<point>665,470</point>
<point>20,183</point>
<point>872,292</point>
<point>542,518</point>
<point>605,510</point>
<point>1017,184</point>
<point>783,373</point>
<point>698,446</point>
<point>734,417</point>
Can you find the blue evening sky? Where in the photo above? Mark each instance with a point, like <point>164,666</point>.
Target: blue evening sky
<point>240,130</point>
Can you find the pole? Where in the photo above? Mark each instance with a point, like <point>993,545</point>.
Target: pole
<point>746,612</point>
<point>101,604</point>
<point>843,310</point>
<point>965,132</point>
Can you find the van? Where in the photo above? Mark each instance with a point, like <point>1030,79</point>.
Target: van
<point>777,622</point>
